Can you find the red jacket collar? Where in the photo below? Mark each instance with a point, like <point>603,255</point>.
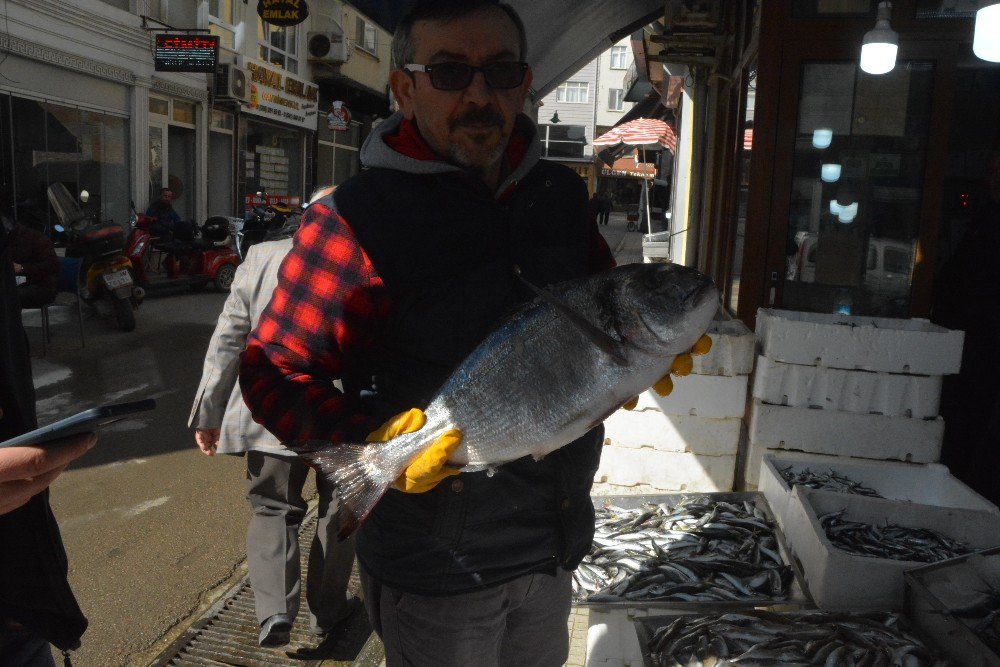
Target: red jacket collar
<point>407,141</point>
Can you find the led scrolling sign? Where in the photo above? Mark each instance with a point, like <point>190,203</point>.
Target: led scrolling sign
<point>186,53</point>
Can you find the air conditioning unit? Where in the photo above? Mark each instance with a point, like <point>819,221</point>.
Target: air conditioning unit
<point>328,46</point>
<point>231,84</point>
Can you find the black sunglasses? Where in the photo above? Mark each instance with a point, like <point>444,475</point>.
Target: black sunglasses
<point>458,76</point>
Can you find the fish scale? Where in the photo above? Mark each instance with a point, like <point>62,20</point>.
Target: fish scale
<point>539,381</point>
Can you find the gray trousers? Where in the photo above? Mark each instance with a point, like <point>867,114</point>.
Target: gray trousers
<point>522,623</point>
<point>274,489</point>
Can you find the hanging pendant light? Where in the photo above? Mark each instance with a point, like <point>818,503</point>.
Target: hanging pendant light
<point>555,118</point>
<point>822,137</point>
<point>986,39</point>
<point>830,173</point>
<point>880,45</point>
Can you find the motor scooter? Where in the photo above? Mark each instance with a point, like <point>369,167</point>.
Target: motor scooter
<point>106,281</point>
<point>265,222</point>
<point>167,261</point>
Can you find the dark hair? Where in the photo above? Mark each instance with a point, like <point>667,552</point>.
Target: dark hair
<point>446,10</point>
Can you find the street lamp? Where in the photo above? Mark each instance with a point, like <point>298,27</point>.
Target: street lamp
<point>879,47</point>
<point>555,118</point>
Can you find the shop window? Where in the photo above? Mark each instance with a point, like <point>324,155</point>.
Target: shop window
<point>619,57</point>
<point>616,99</point>
<point>338,155</point>
<point>222,21</point>
<point>81,150</point>
<point>739,220</point>
<point>184,112</point>
<point>561,141</point>
<point>222,120</point>
<point>159,107</point>
<point>278,45</point>
<point>366,36</point>
<point>274,160</point>
<point>573,91</point>
<point>857,187</point>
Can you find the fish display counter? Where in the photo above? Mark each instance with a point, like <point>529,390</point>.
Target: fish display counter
<point>688,551</point>
<point>789,638</point>
<point>957,604</point>
<point>854,549</point>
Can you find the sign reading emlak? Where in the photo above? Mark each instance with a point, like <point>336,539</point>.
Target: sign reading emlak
<point>283,12</point>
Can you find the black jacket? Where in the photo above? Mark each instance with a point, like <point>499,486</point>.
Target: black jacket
<point>477,529</point>
<point>34,590</point>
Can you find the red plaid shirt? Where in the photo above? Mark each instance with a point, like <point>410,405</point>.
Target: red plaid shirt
<point>329,305</point>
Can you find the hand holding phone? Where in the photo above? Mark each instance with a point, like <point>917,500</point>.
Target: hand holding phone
<point>87,421</point>
<point>27,470</point>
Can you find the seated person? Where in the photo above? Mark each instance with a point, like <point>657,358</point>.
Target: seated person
<point>36,265</point>
<point>163,211</point>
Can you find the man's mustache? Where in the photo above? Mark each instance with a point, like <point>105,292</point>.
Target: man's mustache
<point>479,117</point>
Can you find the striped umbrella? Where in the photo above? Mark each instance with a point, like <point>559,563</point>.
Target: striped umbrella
<point>640,132</point>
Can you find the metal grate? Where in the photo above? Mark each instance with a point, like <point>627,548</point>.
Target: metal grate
<point>227,633</point>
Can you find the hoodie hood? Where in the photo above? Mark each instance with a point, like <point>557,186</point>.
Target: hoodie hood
<point>396,144</point>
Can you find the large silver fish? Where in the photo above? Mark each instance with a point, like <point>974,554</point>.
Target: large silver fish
<point>538,382</point>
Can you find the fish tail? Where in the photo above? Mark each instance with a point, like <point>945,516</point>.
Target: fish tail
<point>358,481</point>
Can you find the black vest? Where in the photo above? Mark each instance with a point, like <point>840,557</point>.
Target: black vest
<point>446,250</point>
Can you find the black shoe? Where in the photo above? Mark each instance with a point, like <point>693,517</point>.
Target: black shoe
<point>275,631</point>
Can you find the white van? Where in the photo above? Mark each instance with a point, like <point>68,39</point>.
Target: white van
<point>888,266</point>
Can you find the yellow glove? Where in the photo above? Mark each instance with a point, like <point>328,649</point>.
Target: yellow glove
<point>682,365</point>
<point>427,469</point>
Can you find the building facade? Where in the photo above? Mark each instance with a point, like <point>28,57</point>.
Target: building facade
<point>81,105</point>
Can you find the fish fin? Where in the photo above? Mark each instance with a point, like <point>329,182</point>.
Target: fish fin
<point>359,483</point>
<point>595,334</point>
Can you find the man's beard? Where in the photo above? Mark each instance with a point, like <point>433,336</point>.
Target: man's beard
<point>478,159</point>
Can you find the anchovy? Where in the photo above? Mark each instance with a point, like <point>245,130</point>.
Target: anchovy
<point>890,541</point>
<point>765,638</point>
<point>831,481</point>
<point>702,549</point>
<point>541,380</point>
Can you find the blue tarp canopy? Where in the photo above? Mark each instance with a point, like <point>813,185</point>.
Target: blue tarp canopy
<point>563,35</point>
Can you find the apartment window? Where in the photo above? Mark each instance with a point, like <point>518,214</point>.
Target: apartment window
<point>278,45</point>
<point>616,99</point>
<point>574,91</point>
<point>619,57</point>
<point>366,36</point>
<point>561,141</point>
<point>222,21</point>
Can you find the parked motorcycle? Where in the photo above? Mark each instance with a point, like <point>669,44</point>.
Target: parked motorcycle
<point>265,222</point>
<point>105,272</point>
<point>206,255</point>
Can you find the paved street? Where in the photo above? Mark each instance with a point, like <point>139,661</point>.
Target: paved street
<point>154,530</point>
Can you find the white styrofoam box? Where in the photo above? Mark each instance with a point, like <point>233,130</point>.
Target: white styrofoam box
<point>665,471</point>
<point>855,342</point>
<point>845,433</point>
<point>839,580</point>
<point>923,483</point>
<point>673,433</point>
<point>716,396</point>
<point>612,640</point>
<point>732,350</point>
<point>889,394</point>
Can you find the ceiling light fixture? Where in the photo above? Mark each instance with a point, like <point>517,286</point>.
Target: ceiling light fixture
<point>830,173</point>
<point>822,137</point>
<point>880,45</point>
<point>986,39</point>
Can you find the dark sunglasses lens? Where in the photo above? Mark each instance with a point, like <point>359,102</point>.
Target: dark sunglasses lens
<point>451,76</point>
<point>504,75</point>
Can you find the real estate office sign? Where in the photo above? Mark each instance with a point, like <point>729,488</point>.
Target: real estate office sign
<point>283,12</point>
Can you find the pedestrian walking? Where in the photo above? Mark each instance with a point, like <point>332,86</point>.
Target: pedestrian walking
<point>275,475</point>
<point>392,281</point>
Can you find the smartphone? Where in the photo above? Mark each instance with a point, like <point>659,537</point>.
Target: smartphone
<point>82,422</point>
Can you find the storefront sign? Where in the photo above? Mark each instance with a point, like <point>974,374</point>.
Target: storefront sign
<point>283,12</point>
<point>250,201</point>
<point>186,53</point>
<point>278,96</point>
<point>338,118</point>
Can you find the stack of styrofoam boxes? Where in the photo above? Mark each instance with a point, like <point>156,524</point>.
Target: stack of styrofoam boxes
<point>848,386</point>
<point>688,440</point>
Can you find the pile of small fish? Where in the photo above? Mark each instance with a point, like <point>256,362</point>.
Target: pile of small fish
<point>890,541</point>
<point>701,550</point>
<point>830,481</point>
<point>809,638</point>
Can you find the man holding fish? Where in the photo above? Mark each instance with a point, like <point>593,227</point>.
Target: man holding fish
<point>394,285</point>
